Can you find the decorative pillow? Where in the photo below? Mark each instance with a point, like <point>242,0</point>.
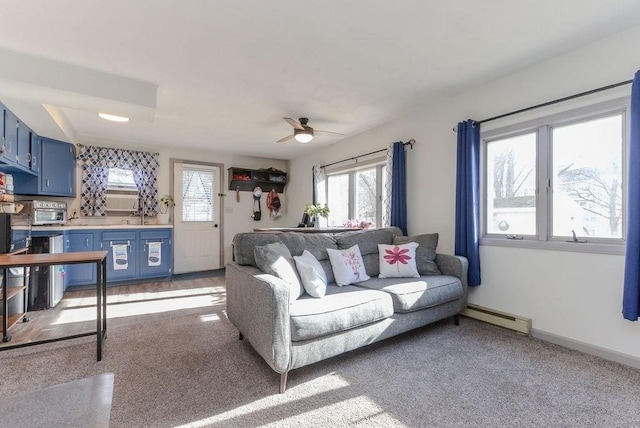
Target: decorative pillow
<point>425,253</point>
<point>276,259</point>
<point>398,261</point>
<point>314,279</point>
<point>347,266</point>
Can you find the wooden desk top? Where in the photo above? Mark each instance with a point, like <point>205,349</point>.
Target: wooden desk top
<point>45,259</point>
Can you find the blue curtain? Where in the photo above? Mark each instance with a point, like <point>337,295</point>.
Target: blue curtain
<point>399,188</point>
<point>468,197</point>
<point>631,296</point>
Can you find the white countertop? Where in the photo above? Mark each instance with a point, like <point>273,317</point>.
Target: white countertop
<point>98,226</point>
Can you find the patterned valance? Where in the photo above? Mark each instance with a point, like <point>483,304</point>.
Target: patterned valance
<point>117,158</point>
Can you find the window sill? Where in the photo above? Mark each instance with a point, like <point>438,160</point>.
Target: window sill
<point>587,247</point>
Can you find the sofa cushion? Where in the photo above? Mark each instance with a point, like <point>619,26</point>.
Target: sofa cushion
<point>425,253</point>
<point>275,259</point>
<point>412,294</point>
<point>398,261</point>
<point>342,308</point>
<point>347,266</point>
<point>312,275</point>
<point>367,241</point>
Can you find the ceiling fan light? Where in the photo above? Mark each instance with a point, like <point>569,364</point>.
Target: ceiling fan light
<point>303,136</point>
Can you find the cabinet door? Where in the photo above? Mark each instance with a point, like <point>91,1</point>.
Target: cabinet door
<point>35,152</point>
<point>85,273</point>
<point>155,253</point>
<point>121,255</point>
<point>10,148</point>
<point>23,149</point>
<point>57,168</point>
<point>20,239</point>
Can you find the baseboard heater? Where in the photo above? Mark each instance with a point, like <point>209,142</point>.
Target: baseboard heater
<point>502,319</point>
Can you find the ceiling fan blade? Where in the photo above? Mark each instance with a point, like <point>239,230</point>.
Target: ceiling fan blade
<point>294,123</point>
<point>328,133</point>
<point>287,138</point>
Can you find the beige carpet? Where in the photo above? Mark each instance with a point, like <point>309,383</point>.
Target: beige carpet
<point>191,370</point>
<point>76,404</point>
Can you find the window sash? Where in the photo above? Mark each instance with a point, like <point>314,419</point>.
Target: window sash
<point>543,127</point>
<point>351,173</point>
<point>198,186</point>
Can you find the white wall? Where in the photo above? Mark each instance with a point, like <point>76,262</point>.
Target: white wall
<point>236,215</point>
<point>576,296</point>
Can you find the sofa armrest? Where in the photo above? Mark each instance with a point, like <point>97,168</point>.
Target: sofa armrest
<point>258,305</point>
<point>453,265</point>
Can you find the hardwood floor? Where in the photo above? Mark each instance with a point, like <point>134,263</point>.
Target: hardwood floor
<point>126,304</point>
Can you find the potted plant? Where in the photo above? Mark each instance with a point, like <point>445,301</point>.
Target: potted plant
<point>317,211</point>
<point>166,202</point>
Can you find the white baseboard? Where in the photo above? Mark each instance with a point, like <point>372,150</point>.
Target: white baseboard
<point>607,354</point>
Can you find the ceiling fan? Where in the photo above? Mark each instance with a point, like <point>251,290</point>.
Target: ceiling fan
<point>302,132</point>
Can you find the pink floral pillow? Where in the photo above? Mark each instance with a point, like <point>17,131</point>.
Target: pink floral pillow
<point>347,265</point>
<point>398,261</point>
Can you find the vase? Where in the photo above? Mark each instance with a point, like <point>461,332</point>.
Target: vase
<point>316,224</point>
<point>163,218</point>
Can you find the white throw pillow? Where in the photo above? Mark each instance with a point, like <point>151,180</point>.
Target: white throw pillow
<point>347,265</point>
<point>398,261</point>
<point>276,259</point>
<point>314,279</point>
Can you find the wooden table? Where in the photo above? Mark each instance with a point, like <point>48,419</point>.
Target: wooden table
<point>48,259</point>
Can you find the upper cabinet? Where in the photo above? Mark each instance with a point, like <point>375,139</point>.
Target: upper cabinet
<point>15,143</point>
<point>56,161</point>
<point>248,179</point>
<point>41,166</point>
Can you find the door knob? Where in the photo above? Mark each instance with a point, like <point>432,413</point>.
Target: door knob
<point>215,225</point>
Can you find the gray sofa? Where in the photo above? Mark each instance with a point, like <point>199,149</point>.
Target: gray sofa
<point>289,335</point>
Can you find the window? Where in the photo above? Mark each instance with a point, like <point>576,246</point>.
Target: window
<point>121,179</point>
<point>559,180</point>
<point>122,192</point>
<point>356,195</point>
<point>197,194</point>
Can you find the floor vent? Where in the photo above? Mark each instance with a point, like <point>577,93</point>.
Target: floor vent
<point>502,319</point>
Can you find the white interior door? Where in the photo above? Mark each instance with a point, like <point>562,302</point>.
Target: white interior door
<point>196,218</point>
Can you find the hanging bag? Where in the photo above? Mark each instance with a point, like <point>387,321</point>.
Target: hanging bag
<point>257,213</point>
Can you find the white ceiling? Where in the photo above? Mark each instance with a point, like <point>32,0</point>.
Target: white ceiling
<point>220,75</point>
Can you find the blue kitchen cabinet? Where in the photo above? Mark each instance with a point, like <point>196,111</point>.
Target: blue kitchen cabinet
<point>57,171</point>
<point>23,145</point>
<point>155,253</point>
<point>34,165</point>
<point>10,145</point>
<point>85,273</point>
<point>20,239</point>
<point>122,255</point>
<point>57,167</point>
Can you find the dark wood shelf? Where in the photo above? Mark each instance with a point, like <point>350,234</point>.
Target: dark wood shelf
<point>246,180</point>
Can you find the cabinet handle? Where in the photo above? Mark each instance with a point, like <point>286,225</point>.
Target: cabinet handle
<point>46,183</point>
<point>87,243</point>
<point>34,160</point>
<point>29,157</point>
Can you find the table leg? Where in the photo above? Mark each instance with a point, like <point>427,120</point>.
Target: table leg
<point>99,311</point>
<point>104,298</point>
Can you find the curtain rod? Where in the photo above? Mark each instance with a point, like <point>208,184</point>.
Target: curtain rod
<point>411,142</point>
<point>559,100</point>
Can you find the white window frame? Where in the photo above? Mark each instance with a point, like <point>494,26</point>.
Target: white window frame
<point>543,126</point>
<point>378,164</point>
